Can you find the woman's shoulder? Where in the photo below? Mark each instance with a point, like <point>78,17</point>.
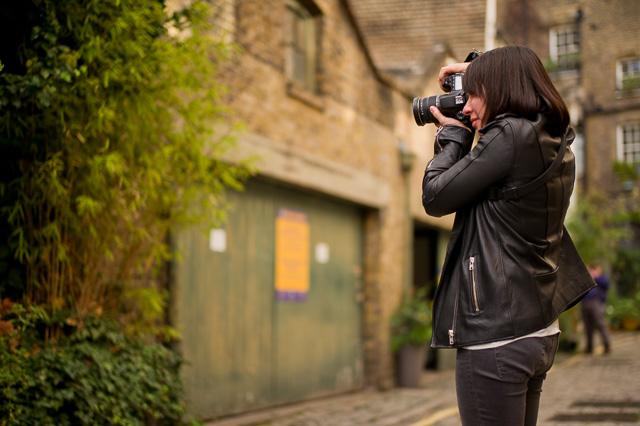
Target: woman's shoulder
<point>502,125</point>
<point>511,125</point>
<point>509,118</point>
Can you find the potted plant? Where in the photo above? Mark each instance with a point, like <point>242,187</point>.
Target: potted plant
<point>410,334</point>
<point>627,311</point>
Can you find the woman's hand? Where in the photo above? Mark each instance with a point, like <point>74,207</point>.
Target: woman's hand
<point>451,69</point>
<point>444,120</point>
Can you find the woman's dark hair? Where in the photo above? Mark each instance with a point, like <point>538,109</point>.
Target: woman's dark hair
<point>512,79</point>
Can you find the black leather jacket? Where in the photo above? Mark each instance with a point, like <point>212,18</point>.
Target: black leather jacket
<point>510,267</point>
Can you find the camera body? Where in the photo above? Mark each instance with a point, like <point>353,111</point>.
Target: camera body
<point>453,81</point>
<point>450,104</point>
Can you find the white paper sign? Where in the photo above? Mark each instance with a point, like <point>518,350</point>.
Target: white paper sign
<point>218,240</point>
<point>322,253</point>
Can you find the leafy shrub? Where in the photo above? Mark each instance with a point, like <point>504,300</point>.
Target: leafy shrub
<point>411,324</point>
<point>94,375</point>
<point>110,118</point>
<point>571,333</point>
<point>621,308</point>
<point>597,227</point>
<point>626,270</point>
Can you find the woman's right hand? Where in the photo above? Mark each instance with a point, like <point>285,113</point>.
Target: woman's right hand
<point>451,69</point>
<point>444,120</point>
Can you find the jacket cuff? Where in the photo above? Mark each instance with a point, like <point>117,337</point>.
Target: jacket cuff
<point>458,135</point>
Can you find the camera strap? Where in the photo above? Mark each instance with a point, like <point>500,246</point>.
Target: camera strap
<point>472,55</point>
<point>496,193</point>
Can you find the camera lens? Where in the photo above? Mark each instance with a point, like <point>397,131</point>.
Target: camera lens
<point>421,112</point>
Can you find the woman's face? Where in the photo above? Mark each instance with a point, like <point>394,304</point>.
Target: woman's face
<point>474,108</point>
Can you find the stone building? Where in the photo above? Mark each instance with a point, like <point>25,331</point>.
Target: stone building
<point>292,298</point>
<point>324,89</point>
<point>591,49</point>
<point>610,88</point>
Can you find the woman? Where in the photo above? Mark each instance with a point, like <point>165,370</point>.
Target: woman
<point>510,267</point>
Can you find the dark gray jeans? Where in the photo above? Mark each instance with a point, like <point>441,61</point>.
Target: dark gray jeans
<point>593,311</point>
<point>502,386</point>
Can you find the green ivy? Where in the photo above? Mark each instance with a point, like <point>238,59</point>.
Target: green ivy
<point>96,375</point>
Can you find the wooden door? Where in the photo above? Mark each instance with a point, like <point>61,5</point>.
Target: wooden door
<point>244,346</point>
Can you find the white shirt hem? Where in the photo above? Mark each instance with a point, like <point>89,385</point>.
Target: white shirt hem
<point>554,328</point>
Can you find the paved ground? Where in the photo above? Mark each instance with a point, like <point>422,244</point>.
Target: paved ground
<point>580,390</point>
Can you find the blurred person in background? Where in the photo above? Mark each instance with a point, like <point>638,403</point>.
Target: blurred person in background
<point>593,308</point>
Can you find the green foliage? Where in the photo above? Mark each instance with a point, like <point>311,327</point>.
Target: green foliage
<point>568,62</point>
<point>632,83</point>
<point>626,270</point>
<point>96,375</point>
<point>622,308</point>
<point>626,171</point>
<point>627,307</point>
<point>16,323</point>
<point>107,145</point>
<point>571,334</point>
<point>141,308</point>
<point>411,324</point>
<point>596,228</point>
<point>607,232</point>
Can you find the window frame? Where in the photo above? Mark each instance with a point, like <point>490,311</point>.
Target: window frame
<point>573,48</point>
<point>628,151</point>
<point>620,73</point>
<point>302,42</point>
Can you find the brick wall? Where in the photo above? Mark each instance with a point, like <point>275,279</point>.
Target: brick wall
<point>354,123</point>
<point>609,34</point>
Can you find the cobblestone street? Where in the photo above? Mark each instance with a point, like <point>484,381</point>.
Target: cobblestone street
<point>580,390</point>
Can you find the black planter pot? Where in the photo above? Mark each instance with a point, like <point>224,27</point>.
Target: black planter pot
<point>410,365</point>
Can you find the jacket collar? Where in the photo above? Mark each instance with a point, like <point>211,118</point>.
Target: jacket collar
<point>539,122</point>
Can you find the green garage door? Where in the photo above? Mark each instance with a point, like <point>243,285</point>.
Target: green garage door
<point>248,346</point>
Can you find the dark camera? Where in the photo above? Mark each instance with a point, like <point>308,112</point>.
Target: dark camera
<point>450,104</point>
<point>453,82</point>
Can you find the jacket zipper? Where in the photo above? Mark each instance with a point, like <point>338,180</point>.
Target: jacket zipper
<point>472,268</point>
<point>438,136</point>
<point>438,142</point>
<point>455,313</point>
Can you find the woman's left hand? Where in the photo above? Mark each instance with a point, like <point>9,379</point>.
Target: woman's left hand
<point>451,69</point>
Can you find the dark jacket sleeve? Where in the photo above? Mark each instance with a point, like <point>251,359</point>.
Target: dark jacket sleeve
<point>457,176</point>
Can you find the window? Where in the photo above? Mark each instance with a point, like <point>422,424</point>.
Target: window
<point>302,43</point>
<point>628,74</point>
<point>629,143</point>
<point>565,47</point>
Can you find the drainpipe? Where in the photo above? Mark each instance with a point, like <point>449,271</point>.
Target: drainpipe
<point>407,158</point>
<point>490,25</point>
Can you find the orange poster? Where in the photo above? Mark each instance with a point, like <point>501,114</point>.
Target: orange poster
<point>292,255</point>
